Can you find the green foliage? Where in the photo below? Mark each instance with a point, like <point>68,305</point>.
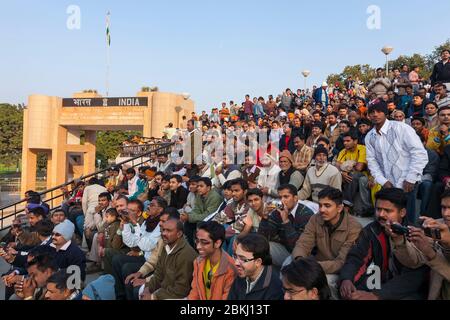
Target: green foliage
<point>365,72</point>
<point>11,119</point>
<point>362,72</point>
<point>109,142</point>
<point>411,61</point>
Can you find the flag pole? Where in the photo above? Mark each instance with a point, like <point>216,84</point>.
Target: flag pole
<point>108,58</point>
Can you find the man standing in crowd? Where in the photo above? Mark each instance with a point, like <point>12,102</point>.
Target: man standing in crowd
<point>441,70</point>
<point>395,155</point>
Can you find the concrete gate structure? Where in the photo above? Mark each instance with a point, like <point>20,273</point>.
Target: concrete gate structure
<point>53,125</point>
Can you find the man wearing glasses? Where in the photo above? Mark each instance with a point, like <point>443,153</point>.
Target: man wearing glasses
<point>256,280</point>
<point>214,270</point>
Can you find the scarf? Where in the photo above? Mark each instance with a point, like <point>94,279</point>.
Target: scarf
<point>286,177</point>
<point>151,223</point>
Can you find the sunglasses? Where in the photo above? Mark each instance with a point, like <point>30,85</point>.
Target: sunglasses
<point>208,282</point>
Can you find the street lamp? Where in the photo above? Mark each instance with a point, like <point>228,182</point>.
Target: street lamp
<point>387,50</point>
<point>178,110</point>
<point>305,74</point>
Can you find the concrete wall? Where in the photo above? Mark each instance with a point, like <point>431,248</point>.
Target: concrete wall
<point>50,128</point>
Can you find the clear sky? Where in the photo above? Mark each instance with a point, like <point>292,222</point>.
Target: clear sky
<point>215,50</point>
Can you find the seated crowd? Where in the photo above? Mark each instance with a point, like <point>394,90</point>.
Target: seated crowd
<point>343,200</point>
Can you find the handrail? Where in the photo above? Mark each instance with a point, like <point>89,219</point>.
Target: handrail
<point>161,147</point>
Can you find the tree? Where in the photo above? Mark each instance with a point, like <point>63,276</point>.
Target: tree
<point>11,123</point>
<point>435,56</point>
<point>109,142</point>
<point>412,61</point>
<point>363,72</point>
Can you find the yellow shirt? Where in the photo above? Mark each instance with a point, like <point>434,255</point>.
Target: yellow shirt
<point>207,277</point>
<point>359,155</point>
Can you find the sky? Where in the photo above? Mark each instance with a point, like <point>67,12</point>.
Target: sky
<point>215,50</point>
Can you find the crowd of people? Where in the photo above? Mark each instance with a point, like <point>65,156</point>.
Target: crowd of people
<point>263,201</point>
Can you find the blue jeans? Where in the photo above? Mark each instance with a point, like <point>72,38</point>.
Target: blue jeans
<point>424,193</point>
<point>79,223</point>
<point>411,206</point>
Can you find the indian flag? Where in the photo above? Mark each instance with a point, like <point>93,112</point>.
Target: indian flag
<point>108,35</point>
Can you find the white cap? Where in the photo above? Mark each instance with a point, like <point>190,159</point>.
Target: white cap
<point>324,84</point>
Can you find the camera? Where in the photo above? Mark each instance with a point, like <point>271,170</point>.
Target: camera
<point>280,206</point>
<point>399,229</point>
<point>433,233</point>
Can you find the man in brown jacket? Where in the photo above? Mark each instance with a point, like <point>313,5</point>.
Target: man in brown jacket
<point>332,232</point>
<point>332,131</point>
<point>173,273</point>
<point>418,250</point>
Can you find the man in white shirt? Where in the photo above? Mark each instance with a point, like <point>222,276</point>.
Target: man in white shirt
<point>395,155</point>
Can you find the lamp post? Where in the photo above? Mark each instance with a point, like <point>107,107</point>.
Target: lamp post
<point>178,110</point>
<point>387,50</point>
<point>305,74</point>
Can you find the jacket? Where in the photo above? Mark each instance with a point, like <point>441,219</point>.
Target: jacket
<point>332,248</point>
<point>397,281</point>
<point>436,141</point>
<point>441,73</point>
<point>282,144</point>
<point>318,97</point>
<point>268,287</point>
<point>205,206</point>
<point>71,256</point>
<point>89,202</point>
<point>409,255</point>
<point>149,266</point>
<point>332,136</point>
<point>444,166</point>
<point>379,86</point>
<point>221,281</point>
<point>287,234</point>
<point>138,236</point>
<point>179,198</point>
<point>141,185</point>
<point>112,239</point>
<point>173,273</point>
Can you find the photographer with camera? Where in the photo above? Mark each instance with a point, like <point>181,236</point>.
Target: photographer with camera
<point>374,251</point>
<point>431,247</point>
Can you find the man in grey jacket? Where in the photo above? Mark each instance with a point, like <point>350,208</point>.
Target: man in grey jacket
<point>379,85</point>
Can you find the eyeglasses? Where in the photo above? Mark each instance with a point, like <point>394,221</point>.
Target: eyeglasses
<point>242,259</point>
<point>294,292</point>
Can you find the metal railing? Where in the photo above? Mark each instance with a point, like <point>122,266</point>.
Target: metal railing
<point>10,211</point>
<point>138,149</point>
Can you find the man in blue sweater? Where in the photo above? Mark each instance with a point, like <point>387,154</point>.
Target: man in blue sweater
<point>67,253</point>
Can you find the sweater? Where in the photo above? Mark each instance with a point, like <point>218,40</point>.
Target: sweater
<point>205,206</point>
<point>316,181</point>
